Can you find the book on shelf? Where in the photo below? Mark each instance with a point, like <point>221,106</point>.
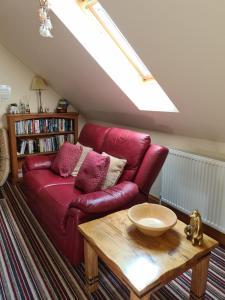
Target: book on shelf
<point>42,145</point>
<point>22,147</point>
<point>36,126</point>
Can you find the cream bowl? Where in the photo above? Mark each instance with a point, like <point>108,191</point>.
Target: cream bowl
<point>152,219</point>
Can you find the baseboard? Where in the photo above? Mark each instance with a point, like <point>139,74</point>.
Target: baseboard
<point>217,235</point>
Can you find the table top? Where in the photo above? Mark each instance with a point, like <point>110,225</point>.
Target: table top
<point>142,262</point>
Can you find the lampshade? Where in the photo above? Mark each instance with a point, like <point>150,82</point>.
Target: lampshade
<point>38,84</point>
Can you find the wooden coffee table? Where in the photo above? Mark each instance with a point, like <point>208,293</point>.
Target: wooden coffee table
<point>142,263</point>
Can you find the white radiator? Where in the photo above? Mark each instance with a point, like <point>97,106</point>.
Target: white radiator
<point>190,181</point>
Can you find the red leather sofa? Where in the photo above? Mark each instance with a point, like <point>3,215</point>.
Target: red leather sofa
<point>60,207</point>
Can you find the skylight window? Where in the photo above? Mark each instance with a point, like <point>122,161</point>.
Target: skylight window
<point>95,30</point>
<point>108,24</point>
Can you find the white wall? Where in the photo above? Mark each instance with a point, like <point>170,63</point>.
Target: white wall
<point>202,147</point>
<point>14,73</point>
<point>19,77</point>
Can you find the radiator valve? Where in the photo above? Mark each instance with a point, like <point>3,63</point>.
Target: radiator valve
<point>194,230</point>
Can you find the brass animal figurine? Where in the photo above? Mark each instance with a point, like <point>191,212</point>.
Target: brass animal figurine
<point>194,230</point>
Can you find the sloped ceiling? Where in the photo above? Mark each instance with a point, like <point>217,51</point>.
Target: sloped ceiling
<point>182,43</point>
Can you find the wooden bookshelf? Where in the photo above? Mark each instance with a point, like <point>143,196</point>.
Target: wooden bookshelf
<point>20,156</point>
<point>15,138</point>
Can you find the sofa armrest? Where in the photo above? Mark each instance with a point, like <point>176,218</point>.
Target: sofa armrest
<point>38,162</point>
<point>107,200</point>
<point>150,167</point>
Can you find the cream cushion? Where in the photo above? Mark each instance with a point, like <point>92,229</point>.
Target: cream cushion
<point>84,153</point>
<point>115,170</point>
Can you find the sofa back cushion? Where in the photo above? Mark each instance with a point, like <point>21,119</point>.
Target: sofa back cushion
<point>92,173</point>
<point>129,145</point>
<point>92,136</point>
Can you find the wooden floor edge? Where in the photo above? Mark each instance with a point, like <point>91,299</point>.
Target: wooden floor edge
<point>215,234</point>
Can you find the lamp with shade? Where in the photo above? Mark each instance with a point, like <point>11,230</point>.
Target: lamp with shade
<point>39,85</point>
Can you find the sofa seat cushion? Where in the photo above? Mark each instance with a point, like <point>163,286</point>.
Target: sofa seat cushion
<point>37,180</point>
<point>53,206</point>
<point>129,145</point>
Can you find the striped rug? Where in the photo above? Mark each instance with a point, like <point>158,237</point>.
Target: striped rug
<point>30,267</point>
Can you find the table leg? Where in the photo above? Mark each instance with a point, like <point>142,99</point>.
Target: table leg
<point>133,296</point>
<point>199,278</point>
<point>91,267</point>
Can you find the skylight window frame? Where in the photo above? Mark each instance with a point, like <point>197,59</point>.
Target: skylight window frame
<point>146,95</point>
<point>90,5</point>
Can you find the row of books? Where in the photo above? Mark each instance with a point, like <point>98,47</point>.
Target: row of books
<point>43,126</point>
<point>30,146</point>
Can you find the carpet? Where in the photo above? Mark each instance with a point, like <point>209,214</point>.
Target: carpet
<point>31,268</point>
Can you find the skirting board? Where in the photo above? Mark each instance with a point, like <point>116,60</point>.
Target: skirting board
<point>217,235</point>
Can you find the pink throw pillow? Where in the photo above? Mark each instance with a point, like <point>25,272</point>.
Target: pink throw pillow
<point>92,173</point>
<point>66,159</point>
